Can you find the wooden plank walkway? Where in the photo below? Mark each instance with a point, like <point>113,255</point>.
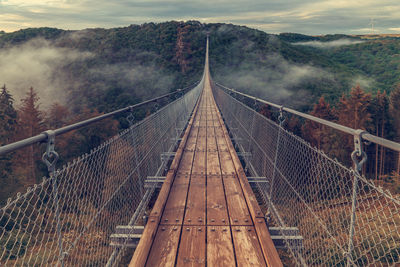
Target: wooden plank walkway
<point>206,213</point>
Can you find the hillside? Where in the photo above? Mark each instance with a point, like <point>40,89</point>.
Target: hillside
<point>110,68</point>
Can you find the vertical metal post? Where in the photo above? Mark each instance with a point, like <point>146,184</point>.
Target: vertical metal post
<point>50,158</point>
<point>358,152</point>
<point>281,120</point>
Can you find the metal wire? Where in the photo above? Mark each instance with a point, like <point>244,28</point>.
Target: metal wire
<point>94,193</point>
<point>314,193</point>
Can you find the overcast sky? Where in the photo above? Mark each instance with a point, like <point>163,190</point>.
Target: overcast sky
<point>272,16</point>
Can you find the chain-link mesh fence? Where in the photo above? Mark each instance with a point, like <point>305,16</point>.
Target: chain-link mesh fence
<point>309,195</point>
<point>68,218</point>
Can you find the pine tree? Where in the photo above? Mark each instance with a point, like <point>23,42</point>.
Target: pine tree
<point>314,132</point>
<point>395,114</point>
<point>8,116</point>
<point>30,120</point>
<point>8,122</point>
<point>352,111</point>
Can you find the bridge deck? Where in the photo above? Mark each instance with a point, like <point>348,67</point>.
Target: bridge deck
<point>206,212</point>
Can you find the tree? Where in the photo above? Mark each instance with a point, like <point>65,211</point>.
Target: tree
<point>394,104</point>
<point>380,115</point>
<point>352,111</point>
<point>8,116</point>
<point>8,124</point>
<point>30,121</point>
<point>314,132</point>
<point>266,111</point>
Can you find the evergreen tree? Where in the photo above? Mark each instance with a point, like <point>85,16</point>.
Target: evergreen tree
<point>8,122</point>
<point>30,120</point>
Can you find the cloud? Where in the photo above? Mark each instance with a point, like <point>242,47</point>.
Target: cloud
<point>307,16</point>
<point>38,63</point>
<point>364,82</point>
<point>277,80</point>
<point>330,44</point>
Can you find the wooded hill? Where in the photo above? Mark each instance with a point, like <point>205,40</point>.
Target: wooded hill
<point>122,66</point>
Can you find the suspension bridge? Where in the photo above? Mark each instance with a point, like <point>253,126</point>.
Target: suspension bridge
<point>204,181</point>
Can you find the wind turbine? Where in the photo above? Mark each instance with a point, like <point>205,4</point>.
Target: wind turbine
<point>372,23</point>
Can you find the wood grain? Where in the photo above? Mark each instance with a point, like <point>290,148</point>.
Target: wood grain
<point>192,249</point>
<point>220,246</point>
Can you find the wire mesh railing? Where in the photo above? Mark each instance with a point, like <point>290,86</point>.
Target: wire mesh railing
<point>68,218</point>
<point>343,219</point>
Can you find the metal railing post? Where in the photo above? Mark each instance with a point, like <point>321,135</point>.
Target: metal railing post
<point>358,152</point>
<point>50,158</point>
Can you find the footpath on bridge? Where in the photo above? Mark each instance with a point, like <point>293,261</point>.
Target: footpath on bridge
<point>206,213</point>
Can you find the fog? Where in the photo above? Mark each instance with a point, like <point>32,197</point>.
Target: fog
<point>330,44</point>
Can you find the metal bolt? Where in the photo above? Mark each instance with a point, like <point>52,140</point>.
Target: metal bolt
<point>177,220</point>
<point>224,230</point>
<point>238,230</point>
<point>213,230</point>
<point>246,220</point>
<point>166,220</point>
<point>163,229</point>
<point>235,220</point>
<point>189,220</point>
<point>152,220</point>
<point>187,229</point>
<point>249,230</point>
<point>212,220</point>
<point>199,229</point>
<point>260,221</point>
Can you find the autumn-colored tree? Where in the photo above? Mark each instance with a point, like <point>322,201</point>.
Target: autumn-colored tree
<point>58,116</point>
<point>352,111</point>
<point>30,123</point>
<point>316,133</point>
<point>395,114</point>
<point>380,115</point>
<point>266,111</point>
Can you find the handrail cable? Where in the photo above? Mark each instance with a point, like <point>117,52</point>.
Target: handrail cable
<point>42,137</point>
<point>365,135</point>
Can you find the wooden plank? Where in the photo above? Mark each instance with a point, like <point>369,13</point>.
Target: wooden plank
<point>192,248</point>
<point>237,207</point>
<point>270,254</point>
<point>268,248</point>
<point>213,165</point>
<point>217,213</point>
<point>199,164</point>
<point>195,213</point>
<point>175,207</point>
<point>227,166</point>
<point>165,246</point>
<point>186,162</point>
<point>247,248</point>
<point>219,246</point>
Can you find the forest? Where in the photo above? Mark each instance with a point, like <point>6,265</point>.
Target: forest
<point>346,79</point>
